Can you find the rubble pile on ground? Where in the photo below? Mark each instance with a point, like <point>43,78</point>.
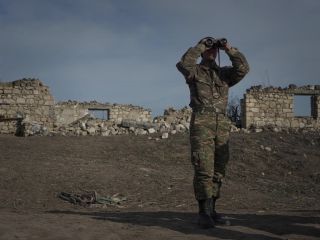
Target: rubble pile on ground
<point>172,122</point>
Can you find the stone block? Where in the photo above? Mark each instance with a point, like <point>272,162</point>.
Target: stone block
<point>254,110</point>
<point>302,125</point>
<point>106,133</point>
<point>16,91</point>
<point>249,114</point>
<point>7,91</point>
<point>29,101</point>
<point>272,104</point>
<point>294,124</point>
<point>48,103</point>
<point>250,105</point>
<point>173,132</point>
<point>180,128</point>
<point>83,133</point>
<point>21,101</point>
<point>151,130</point>
<point>252,100</point>
<point>140,131</point>
<point>91,131</point>
<point>165,135</point>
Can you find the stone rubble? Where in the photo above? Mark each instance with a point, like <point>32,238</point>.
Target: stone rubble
<point>172,122</point>
<point>27,108</point>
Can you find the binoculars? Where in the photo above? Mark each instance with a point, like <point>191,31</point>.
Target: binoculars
<point>215,43</point>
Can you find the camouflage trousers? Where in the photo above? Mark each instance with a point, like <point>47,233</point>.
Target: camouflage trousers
<point>209,138</point>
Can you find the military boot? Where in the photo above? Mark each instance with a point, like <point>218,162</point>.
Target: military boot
<point>205,220</point>
<point>219,219</point>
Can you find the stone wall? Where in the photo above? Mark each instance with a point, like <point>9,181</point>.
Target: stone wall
<point>275,107</point>
<point>68,112</point>
<point>25,103</point>
<point>315,106</point>
<point>172,122</point>
<point>28,108</point>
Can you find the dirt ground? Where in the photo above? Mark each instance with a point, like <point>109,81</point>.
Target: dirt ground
<point>271,190</point>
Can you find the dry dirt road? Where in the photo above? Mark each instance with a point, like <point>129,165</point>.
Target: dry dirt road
<point>271,190</point>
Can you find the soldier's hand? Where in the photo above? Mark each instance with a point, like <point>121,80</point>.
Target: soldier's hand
<point>227,47</point>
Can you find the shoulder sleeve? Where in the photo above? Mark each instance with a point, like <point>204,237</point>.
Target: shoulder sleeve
<point>188,63</point>
<point>240,67</point>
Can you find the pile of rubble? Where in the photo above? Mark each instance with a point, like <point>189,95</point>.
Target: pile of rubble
<point>172,122</point>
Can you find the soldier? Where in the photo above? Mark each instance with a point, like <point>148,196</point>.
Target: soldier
<point>209,129</point>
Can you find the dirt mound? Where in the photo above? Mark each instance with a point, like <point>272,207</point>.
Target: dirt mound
<point>268,173</point>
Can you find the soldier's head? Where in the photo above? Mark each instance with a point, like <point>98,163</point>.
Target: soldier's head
<point>210,54</point>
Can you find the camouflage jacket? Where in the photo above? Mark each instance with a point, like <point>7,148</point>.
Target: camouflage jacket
<point>208,83</point>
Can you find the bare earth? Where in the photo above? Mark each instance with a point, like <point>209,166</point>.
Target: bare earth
<point>267,194</point>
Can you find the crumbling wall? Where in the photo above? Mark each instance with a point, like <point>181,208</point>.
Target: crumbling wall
<point>172,122</point>
<point>25,103</point>
<point>28,108</point>
<point>315,106</point>
<point>271,106</point>
<point>68,112</point>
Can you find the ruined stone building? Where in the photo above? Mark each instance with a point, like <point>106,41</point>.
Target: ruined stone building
<point>27,103</point>
<point>275,107</point>
<point>28,108</point>
<point>26,100</point>
<point>68,112</point>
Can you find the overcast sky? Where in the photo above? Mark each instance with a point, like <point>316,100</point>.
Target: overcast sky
<point>125,51</point>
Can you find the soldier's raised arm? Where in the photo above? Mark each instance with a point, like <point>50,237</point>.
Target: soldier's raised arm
<point>240,67</point>
<point>188,62</point>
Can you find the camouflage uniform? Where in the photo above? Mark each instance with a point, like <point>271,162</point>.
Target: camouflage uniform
<point>209,130</point>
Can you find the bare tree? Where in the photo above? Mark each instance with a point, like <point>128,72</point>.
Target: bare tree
<point>234,111</point>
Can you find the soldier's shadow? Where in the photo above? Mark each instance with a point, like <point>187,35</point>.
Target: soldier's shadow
<point>244,226</point>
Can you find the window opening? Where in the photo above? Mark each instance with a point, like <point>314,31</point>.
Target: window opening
<point>100,113</point>
<point>302,106</point>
